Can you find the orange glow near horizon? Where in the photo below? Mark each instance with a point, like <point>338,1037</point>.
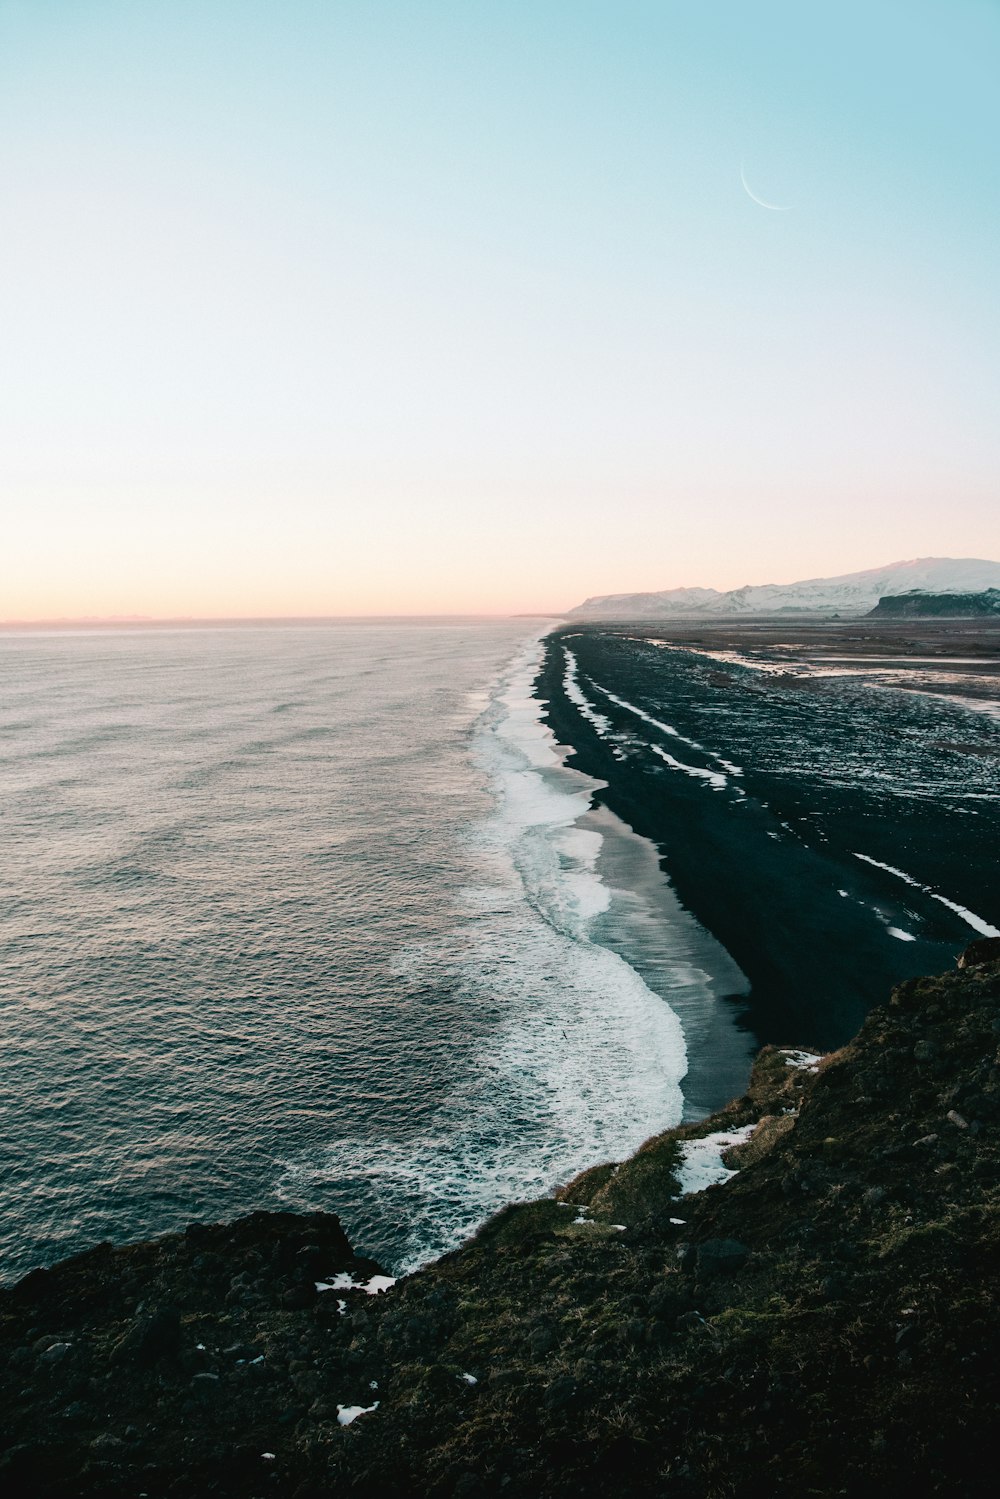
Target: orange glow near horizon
<point>522,549</point>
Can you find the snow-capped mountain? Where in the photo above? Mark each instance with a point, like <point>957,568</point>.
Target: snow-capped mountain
<point>851,593</point>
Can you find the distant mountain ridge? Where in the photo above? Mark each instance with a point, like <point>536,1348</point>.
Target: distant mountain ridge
<point>849,593</point>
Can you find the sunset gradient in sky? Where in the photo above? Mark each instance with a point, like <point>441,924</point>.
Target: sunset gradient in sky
<point>345,306</point>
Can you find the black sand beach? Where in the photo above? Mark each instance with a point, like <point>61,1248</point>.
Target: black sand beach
<point>849,746</point>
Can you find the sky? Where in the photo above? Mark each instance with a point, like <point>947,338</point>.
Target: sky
<point>330,307</point>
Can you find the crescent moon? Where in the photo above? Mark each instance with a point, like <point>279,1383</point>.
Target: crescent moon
<point>774,207</point>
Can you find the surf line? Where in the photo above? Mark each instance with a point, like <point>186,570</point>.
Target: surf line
<point>976,922</point>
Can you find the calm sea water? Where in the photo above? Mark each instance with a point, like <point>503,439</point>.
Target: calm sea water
<point>317,918</point>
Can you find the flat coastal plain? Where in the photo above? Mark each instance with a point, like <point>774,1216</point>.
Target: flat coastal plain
<point>825,795</point>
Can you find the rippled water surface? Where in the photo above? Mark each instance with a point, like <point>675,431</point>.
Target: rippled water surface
<point>311,917</point>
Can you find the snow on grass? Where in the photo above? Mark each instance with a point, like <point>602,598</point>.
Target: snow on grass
<point>346,1282</point>
<point>348,1413</point>
<point>701,1160</point>
<point>808,1061</point>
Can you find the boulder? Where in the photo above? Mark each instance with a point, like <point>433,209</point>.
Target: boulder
<point>985,950</point>
<point>721,1257</point>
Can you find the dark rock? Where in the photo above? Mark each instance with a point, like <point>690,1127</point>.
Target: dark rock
<point>721,1257</point>
<point>298,1298</point>
<point>35,1285</point>
<point>541,1342</point>
<point>417,1333</point>
<point>206,1386</point>
<point>664,1297</point>
<point>985,950</point>
<point>311,1260</point>
<point>658,1333</point>
<point>106,1442</point>
<point>152,1338</point>
<point>54,1353</point>
<point>308,1382</point>
<point>560,1393</point>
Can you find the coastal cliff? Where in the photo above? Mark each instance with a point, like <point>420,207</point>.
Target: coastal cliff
<point>823,1321</point>
<point>937,605</point>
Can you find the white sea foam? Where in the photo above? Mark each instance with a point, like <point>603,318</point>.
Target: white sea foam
<point>587,1060</point>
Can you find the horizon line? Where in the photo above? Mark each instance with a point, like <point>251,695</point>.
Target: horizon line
<point>155,621</point>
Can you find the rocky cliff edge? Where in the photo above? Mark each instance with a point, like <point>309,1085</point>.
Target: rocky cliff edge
<point>821,1319</point>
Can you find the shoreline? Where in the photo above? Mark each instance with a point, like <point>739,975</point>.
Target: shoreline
<point>604,888</point>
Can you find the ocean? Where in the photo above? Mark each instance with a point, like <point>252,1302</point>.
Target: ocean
<point>319,918</point>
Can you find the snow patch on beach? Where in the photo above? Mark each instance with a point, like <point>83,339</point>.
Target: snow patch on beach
<point>656,723</point>
<point>668,729</point>
<point>576,695</point>
<point>976,922</point>
<point>715,779</point>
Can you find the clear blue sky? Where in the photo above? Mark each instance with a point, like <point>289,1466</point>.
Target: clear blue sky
<point>336,307</point>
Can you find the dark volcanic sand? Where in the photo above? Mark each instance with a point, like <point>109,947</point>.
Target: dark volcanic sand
<point>873,737</point>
